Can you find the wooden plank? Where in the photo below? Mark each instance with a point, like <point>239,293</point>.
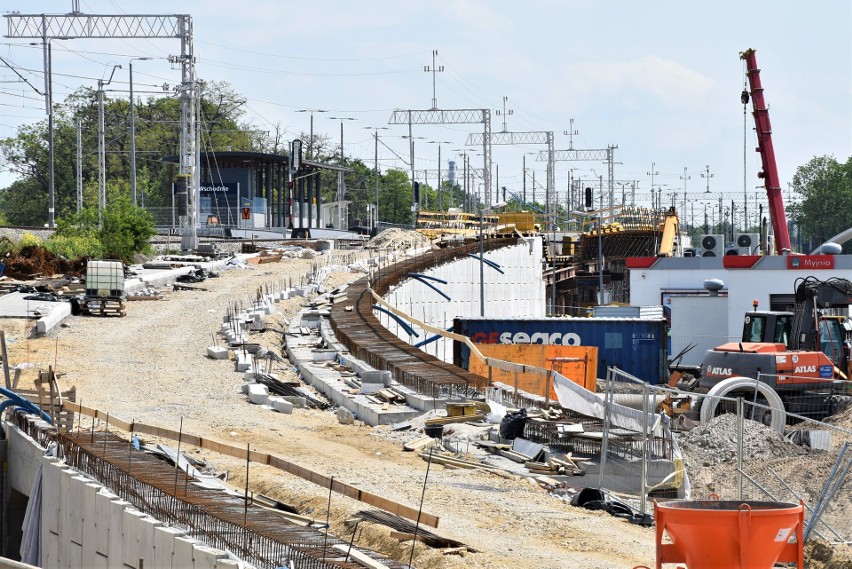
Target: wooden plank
<point>515,456</point>
<point>459,419</point>
<point>360,558</point>
<point>418,444</point>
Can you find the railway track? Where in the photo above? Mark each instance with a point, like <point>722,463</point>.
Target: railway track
<point>365,337</point>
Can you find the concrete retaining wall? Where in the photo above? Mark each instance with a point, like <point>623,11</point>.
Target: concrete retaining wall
<point>84,525</point>
<point>517,292</point>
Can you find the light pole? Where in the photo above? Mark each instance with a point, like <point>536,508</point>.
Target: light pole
<point>101,145</point>
<point>311,140</point>
<point>133,130</point>
<point>376,171</point>
<point>439,143</point>
<point>414,196</point>
<point>51,183</point>
<point>340,182</point>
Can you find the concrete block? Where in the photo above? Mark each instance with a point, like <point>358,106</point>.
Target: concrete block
<point>300,291</point>
<point>228,564</point>
<point>50,550</point>
<point>258,394</point>
<point>49,321</point>
<point>295,401</point>
<point>244,361</point>
<point>183,552</point>
<point>324,355</point>
<point>217,352</point>
<point>103,499</point>
<point>281,405</point>
<point>249,377</point>
<point>87,521</point>
<point>146,539</point>
<point>115,517</point>
<point>50,494</point>
<point>377,376</point>
<point>75,555</point>
<point>131,527</point>
<point>164,547</point>
<point>205,557</point>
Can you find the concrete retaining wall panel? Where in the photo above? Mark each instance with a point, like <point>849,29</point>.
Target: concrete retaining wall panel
<point>183,554</point>
<point>102,529</point>
<point>21,471</point>
<point>517,292</point>
<point>206,557</point>
<point>147,525</point>
<point>88,522</point>
<point>164,537</point>
<point>115,515</point>
<point>132,525</point>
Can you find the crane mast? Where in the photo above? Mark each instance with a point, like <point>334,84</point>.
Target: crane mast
<point>767,154</point>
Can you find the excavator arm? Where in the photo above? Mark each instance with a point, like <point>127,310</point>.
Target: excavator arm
<point>811,331</point>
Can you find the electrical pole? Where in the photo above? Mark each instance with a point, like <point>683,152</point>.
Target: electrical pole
<point>653,172</point>
<point>571,133</point>
<point>133,132</point>
<point>79,165</point>
<point>707,175</point>
<point>504,115</point>
<point>48,79</point>
<point>433,70</point>
<point>376,176</point>
<point>524,178</point>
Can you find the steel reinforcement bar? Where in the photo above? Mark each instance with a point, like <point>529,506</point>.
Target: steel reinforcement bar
<point>255,534</point>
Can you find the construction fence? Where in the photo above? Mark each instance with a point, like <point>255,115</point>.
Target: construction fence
<point>744,450</point>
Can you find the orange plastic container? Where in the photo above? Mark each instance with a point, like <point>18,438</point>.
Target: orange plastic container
<point>731,534</point>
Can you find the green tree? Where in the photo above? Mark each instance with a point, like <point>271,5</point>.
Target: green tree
<point>157,122</point>
<point>824,187</point>
<point>125,230</point>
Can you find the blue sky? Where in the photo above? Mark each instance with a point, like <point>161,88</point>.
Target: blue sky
<point>660,79</point>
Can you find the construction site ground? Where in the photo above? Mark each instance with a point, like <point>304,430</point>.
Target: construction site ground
<point>151,366</point>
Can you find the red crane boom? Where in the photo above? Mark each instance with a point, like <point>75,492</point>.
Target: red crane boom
<point>767,154</point>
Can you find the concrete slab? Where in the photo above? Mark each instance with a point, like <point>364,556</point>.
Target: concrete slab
<point>330,383</point>
<point>281,405</point>
<point>258,394</point>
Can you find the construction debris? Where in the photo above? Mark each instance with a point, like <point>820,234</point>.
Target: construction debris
<point>396,239</point>
<point>406,531</point>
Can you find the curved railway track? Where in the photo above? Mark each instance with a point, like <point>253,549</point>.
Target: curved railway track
<point>365,337</point>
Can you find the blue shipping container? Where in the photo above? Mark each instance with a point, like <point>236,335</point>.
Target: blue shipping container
<point>633,345</point>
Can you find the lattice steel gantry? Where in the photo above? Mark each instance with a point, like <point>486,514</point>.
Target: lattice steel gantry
<point>76,25</point>
<point>453,116</point>
<point>603,154</point>
<point>529,137</point>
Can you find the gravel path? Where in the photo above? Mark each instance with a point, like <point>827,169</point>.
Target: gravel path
<point>151,366</point>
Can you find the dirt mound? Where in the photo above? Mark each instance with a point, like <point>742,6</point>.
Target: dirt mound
<point>36,261</point>
<point>716,441</point>
<point>396,239</point>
